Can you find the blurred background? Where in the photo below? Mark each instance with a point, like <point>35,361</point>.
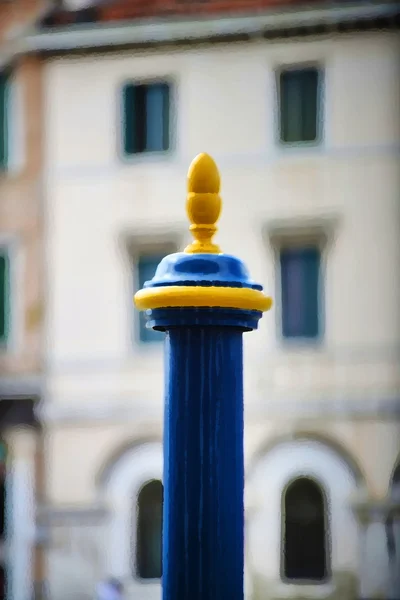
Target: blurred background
<point>103,105</point>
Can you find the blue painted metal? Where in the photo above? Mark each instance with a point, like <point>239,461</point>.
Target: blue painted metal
<point>202,270</point>
<point>203,527</point>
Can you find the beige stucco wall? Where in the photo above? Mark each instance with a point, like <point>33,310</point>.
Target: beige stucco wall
<point>105,392</point>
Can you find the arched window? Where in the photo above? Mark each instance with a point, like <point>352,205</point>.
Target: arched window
<point>305,552</point>
<point>149,531</point>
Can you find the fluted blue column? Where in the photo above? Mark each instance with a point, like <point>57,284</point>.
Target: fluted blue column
<point>204,300</point>
<point>203,535</point>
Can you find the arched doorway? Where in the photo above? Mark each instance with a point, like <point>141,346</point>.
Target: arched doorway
<point>305,553</point>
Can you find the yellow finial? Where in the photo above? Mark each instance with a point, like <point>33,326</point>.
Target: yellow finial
<point>203,204</point>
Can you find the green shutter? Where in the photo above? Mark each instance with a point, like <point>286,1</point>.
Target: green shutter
<point>129,122</point>
<point>4,297</point>
<point>3,120</point>
<point>310,105</point>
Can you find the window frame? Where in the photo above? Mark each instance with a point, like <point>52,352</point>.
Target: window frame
<point>303,244</point>
<point>134,243</point>
<point>322,231</point>
<point>327,534</point>
<point>135,531</point>
<point>151,154</point>
<point>301,241</point>
<point>319,66</point>
<point>135,276</point>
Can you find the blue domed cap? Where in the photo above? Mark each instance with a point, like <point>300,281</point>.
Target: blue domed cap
<point>203,270</point>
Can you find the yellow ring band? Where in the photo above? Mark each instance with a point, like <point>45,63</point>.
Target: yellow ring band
<point>187,296</point>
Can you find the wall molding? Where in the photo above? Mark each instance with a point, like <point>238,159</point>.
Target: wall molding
<point>71,515</point>
<point>331,408</point>
<point>22,385</point>
<point>259,160</point>
<point>374,511</point>
<point>113,410</point>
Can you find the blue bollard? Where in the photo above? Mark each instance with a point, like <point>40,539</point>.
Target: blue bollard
<point>204,300</point>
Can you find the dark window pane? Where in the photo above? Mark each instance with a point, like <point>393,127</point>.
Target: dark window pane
<point>157,114</point>
<point>304,539</point>
<point>149,531</point>
<point>300,273</point>
<point>147,265</point>
<point>4,77</point>
<point>4,296</point>
<point>299,105</point>
<point>309,100</point>
<point>146,118</point>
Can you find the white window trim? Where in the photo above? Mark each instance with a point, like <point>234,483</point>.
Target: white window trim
<point>266,482</point>
<point>284,232</point>
<point>134,243</point>
<point>128,159</point>
<point>287,147</point>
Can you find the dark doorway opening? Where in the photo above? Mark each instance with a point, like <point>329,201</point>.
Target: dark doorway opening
<point>149,531</point>
<point>305,551</point>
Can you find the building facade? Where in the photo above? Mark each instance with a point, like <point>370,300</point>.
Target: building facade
<point>299,108</point>
<point>21,304</point>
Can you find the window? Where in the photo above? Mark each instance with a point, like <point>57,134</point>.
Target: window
<point>149,531</point>
<point>4,119</point>
<point>300,292</point>
<point>146,118</point>
<point>3,466</point>
<point>146,268</point>
<point>304,536</point>
<point>299,105</point>
<point>4,295</point>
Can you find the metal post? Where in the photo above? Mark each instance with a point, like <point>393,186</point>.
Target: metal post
<point>204,300</point>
